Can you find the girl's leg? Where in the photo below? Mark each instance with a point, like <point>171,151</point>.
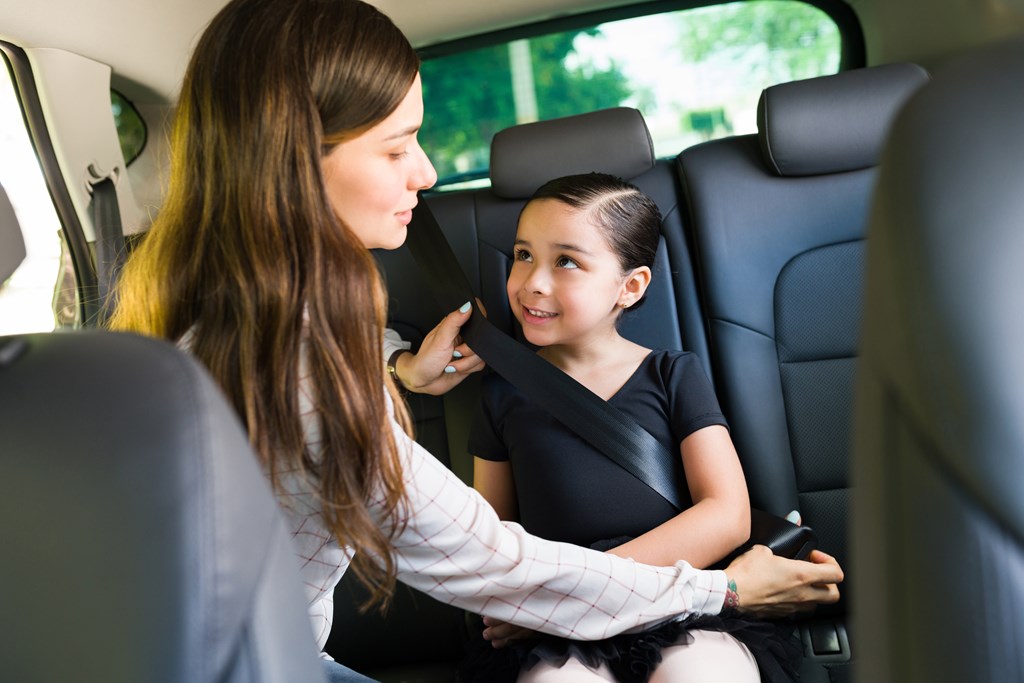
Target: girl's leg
<point>711,656</point>
<point>571,672</point>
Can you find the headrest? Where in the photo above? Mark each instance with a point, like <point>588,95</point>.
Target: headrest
<point>833,124</point>
<point>614,141</point>
<point>12,244</point>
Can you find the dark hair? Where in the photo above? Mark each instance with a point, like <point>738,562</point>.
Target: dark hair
<point>248,252</point>
<point>628,218</point>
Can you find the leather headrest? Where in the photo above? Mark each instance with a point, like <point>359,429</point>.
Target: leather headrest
<point>12,244</point>
<point>614,141</point>
<point>833,124</point>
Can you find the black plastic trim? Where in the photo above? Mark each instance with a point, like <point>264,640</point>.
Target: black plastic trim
<point>32,111</point>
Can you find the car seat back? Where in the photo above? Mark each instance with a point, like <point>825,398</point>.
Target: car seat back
<point>779,220</point>
<point>938,528</point>
<point>141,539</point>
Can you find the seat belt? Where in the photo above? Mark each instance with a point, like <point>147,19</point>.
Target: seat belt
<point>598,422</point>
<point>110,248</point>
<point>601,424</point>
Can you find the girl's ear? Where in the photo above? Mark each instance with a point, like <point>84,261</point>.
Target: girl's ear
<point>634,287</point>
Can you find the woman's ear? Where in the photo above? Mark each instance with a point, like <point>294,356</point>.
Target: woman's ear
<point>634,287</point>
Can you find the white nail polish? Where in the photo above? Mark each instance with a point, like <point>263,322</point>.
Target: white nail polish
<point>456,354</point>
<point>449,370</point>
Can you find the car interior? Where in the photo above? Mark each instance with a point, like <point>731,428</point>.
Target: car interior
<point>846,269</point>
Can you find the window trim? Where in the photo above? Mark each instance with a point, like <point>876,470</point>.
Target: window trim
<point>35,123</point>
<point>853,54</point>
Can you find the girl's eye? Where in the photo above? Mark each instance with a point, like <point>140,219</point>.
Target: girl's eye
<point>399,155</point>
<point>566,262</point>
<point>522,255</point>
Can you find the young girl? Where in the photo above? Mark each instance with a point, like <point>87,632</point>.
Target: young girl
<point>583,255</point>
<point>294,153</point>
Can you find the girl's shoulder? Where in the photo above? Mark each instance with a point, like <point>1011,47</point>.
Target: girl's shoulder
<point>670,362</point>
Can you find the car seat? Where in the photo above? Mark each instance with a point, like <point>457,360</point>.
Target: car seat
<point>778,220</point>
<point>141,541</point>
<point>938,524</point>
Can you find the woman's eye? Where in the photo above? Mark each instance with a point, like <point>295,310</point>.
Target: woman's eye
<point>522,255</point>
<point>566,262</point>
<point>399,155</point>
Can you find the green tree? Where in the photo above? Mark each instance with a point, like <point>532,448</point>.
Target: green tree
<point>778,40</point>
<point>468,96</point>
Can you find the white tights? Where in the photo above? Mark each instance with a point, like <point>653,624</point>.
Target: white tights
<point>710,657</point>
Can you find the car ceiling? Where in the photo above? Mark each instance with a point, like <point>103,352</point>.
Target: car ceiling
<point>147,42</point>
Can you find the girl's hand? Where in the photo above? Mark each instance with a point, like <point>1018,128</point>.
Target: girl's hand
<point>770,586</point>
<point>501,633</point>
<point>442,361</point>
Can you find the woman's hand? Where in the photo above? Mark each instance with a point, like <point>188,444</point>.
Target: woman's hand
<point>502,633</point>
<point>442,361</point>
<point>770,586</point>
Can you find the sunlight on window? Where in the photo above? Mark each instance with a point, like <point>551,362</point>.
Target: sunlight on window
<point>26,301</point>
<point>694,74</point>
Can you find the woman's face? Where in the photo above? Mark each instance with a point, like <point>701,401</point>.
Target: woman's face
<point>372,179</point>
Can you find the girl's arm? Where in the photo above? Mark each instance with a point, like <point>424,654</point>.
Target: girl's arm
<point>493,480</point>
<point>719,520</point>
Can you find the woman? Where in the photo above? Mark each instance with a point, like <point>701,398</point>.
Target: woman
<point>294,152</point>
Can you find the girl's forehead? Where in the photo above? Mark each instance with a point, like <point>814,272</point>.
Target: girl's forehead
<point>555,224</point>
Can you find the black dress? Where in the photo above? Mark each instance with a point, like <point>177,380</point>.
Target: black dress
<point>567,490</point>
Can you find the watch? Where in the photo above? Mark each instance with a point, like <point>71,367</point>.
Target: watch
<point>392,365</point>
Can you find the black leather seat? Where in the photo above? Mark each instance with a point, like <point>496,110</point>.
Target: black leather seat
<point>141,542</point>
<point>779,220</point>
<point>939,523</point>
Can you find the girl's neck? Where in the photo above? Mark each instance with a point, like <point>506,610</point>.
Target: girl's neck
<point>602,366</point>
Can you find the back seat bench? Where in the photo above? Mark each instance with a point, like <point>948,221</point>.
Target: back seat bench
<point>758,273</point>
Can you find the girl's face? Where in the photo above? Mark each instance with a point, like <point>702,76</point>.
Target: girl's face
<point>372,179</point>
<point>566,284</point>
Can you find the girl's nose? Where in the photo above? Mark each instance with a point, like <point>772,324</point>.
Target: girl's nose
<point>536,281</point>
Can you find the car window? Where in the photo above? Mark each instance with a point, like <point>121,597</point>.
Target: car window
<point>41,293</point>
<point>131,129</point>
<point>695,74</point>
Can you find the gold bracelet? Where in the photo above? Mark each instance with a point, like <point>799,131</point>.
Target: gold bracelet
<point>392,366</point>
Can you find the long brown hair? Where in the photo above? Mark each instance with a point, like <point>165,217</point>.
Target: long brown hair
<point>248,254</point>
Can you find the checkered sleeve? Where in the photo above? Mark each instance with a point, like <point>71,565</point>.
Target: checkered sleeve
<point>455,548</point>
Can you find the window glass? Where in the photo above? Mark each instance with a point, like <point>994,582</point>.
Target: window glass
<point>29,298</point>
<point>131,129</point>
<point>695,74</point>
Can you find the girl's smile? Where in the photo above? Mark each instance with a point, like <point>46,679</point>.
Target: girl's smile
<point>566,285</point>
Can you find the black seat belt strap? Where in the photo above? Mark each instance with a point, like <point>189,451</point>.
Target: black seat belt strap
<point>603,425</point>
<point>110,246</point>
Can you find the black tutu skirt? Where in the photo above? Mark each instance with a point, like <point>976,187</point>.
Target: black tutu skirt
<point>633,657</point>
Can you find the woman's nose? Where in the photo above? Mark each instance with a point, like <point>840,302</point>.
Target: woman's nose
<point>425,175</point>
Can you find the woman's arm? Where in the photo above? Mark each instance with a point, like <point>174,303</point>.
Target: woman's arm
<point>719,520</point>
<point>494,481</point>
<point>454,548</point>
